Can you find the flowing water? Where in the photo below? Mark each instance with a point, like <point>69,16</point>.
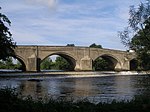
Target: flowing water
<point>94,88</point>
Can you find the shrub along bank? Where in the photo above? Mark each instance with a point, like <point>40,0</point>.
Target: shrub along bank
<point>10,102</point>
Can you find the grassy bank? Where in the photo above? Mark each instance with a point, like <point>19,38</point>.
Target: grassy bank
<point>10,102</point>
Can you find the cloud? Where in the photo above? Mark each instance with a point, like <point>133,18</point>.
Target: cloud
<point>77,31</point>
<point>74,21</point>
<point>49,3</point>
<point>63,27</point>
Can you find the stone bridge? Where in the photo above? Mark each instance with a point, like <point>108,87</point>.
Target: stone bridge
<point>80,58</point>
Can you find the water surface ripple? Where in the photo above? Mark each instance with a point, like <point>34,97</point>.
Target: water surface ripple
<point>95,89</point>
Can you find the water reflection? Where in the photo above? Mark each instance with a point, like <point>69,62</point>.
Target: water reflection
<point>143,85</point>
<point>93,88</point>
<point>33,88</point>
<point>83,88</point>
<point>124,87</point>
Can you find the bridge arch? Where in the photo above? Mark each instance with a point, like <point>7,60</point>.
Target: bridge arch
<point>113,62</point>
<point>133,64</point>
<point>21,60</point>
<point>69,58</point>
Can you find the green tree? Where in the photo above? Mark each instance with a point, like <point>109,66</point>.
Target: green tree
<point>70,45</point>
<point>139,25</point>
<point>95,46</point>
<point>18,65</point>
<point>62,64</point>
<point>100,64</point>
<point>6,41</point>
<point>9,63</point>
<point>2,64</point>
<point>46,64</point>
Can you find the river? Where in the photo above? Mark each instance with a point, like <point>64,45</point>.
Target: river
<point>95,88</point>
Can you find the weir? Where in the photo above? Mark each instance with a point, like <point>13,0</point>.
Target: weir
<point>81,58</point>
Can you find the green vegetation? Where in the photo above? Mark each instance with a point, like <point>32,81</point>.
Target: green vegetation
<point>100,64</point>
<point>141,43</point>
<point>11,102</point>
<point>139,25</point>
<point>62,64</point>
<point>47,64</point>
<point>6,41</point>
<point>59,64</point>
<point>8,64</point>
<point>70,45</point>
<point>95,46</point>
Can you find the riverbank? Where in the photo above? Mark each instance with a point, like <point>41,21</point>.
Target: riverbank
<point>73,73</point>
<point>10,102</point>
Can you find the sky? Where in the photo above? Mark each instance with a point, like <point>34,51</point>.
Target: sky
<point>62,22</point>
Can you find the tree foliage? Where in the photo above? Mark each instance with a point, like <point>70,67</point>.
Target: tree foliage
<point>139,27</point>
<point>59,64</point>
<point>100,64</point>
<point>95,46</point>
<point>62,64</point>
<point>6,41</point>
<point>9,64</point>
<point>138,18</point>
<point>46,64</point>
<point>70,45</point>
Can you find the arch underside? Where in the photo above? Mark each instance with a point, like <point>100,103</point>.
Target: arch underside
<point>111,60</point>
<point>67,57</point>
<point>23,65</point>
<point>133,64</point>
